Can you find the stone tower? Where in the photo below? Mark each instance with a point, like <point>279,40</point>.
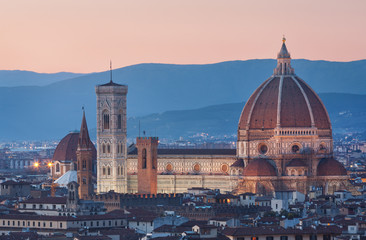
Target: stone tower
<point>72,201</point>
<point>84,155</point>
<point>147,164</point>
<point>111,137</point>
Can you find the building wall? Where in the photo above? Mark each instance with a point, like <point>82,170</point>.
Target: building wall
<point>181,183</point>
<point>42,209</point>
<point>208,164</point>
<point>52,224</point>
<point>15,190</point>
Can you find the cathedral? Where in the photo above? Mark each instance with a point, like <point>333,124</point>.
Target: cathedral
<point>284,143</point>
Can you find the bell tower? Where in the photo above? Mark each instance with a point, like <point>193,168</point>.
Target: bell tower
<point>111,137</point>
<point>84,155</point>
<point>147,155</point>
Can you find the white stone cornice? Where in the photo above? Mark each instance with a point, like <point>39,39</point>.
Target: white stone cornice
<point>279,102</point>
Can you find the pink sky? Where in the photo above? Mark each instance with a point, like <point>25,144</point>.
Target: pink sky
<point>82,35</point>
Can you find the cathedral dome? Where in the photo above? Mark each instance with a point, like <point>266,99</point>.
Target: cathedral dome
<point>259,167</point>
<point>284,101</point>
<point>330,167</point>
<point>66,149</point>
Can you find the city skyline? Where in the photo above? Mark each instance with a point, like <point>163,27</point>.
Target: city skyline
<point>83,36</point>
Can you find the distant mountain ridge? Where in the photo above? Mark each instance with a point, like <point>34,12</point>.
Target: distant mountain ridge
<point>49,112</point>
<point>17,78</point>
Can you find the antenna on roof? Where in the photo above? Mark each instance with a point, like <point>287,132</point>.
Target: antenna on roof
<point>110,69</point>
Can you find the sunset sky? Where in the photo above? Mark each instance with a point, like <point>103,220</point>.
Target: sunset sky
<point>83,35</point>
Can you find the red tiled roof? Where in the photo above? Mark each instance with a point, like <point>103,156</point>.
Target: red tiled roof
<point>297,163</point>
<point>276,230</point>
<point>330,167</point>
<point>47,200</point>
<point>238,163</point>
<point>259,167</point>
<point>12,182</point>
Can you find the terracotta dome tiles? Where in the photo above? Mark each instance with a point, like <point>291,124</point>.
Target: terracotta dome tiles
<point>264,114</point>
<point>297,99</point>
<point>294,111</point>
<point>66,149</point>
<point>330,167</point>
<point>319,112</point>
<point>259,167</point>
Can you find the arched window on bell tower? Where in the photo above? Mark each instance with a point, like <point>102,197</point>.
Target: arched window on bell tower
<point>119,121</point>
<point>144,158</point>
<point>105,120</point>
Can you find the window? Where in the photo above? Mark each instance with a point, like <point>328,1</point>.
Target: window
<point>269,238</point>
<point>240,238</point>
<point>50,224</point>
<point>144,158</point>
<point>105,120</point>
<point>119,121</point>
<point>313,237</point>
<point>169,167</point>
<point>283,238</point>
<point>103,170</point>
<point>119,170</point>
<point>57,167</point>
<point>298,237</point>
<point>108,148</point>
<point>326,237</point>
<point>84,164</point>
<point>262,148</point>
<point>295,149</point>
<point>254,238</point>
<point>109,171</point>
<point>196,167</point>
<point>84,180</point>
<point>60,225</point>
<point>103,148</point>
